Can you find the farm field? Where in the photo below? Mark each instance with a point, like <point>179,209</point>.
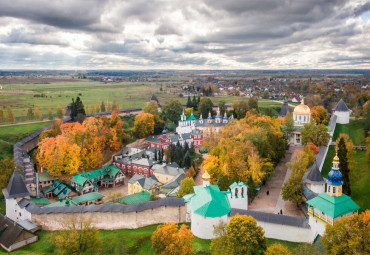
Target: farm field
<point>12,134</point>
<point>19,96</point>
<point>133,241</point>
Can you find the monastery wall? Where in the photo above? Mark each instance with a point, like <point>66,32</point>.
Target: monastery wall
<point>108,218</point>
<point>286,232</point>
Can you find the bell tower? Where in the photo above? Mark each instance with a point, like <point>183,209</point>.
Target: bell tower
<point>334,181</point>
<point>206,177</point>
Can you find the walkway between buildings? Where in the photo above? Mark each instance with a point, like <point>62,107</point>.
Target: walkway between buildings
<point>269,199</point>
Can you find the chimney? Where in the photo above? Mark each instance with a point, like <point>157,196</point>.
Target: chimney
<point>37,185</point>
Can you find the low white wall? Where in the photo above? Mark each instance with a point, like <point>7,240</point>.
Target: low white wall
<point>342,117</point>
<point>287,233</point>
<point>318,188</point>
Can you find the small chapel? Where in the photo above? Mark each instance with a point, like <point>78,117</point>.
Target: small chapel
<point>207,206</point>
<point>301,116</point>
<point>330,206</point>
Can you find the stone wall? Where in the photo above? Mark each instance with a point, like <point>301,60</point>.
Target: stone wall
<point>114,220</point>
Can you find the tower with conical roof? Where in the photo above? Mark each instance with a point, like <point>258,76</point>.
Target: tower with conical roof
<point>342,112</point>
<point>329,206</point>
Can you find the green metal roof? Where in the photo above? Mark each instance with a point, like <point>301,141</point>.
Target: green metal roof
<point>332,205</point>
<point>92,196</point>
<point>238,184</point>
<point>109,170</point>
<point>209,201</point>
<point>79,179</point>
<point>137,198</point>
<point>47,189</point>
<point>191,117</point>
<point>60,204</point>
<point>40,200</point>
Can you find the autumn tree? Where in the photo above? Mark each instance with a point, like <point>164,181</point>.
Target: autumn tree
<point>277,249</point>
<point>253,103</point>
<point>186,187</point>
<point>77,237</point>
<point>30,113</point>
<point>368,146</point>
<point>288,126</point>
<point>152,108</point>
<point>243,236</point>
<point>9,115</point>
<point>50,114</point>
<point>6,170</point>
<point>171,110</point>
<point>349,235</point>
<point>38,114</point>
<point>143,125</point>
<point>188,112</point>
<point>315,133</point>
<point>221,245</point>
<point>292,190</point>
<point>60,112</point>
<point>320,115</point>
<point>169,239</point>
<point>54,130</point>
<point>2,118</point>
<point>240,108</point>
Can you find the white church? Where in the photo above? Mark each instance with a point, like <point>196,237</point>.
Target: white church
<point>207,206</point>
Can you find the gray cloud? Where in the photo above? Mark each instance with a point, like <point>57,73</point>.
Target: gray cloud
<point>185,34</point>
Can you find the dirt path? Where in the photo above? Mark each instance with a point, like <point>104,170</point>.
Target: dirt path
<point>273,202</point>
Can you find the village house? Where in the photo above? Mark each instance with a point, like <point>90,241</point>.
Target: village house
<point>59,189</point>
<point>139,183</point>
<point>108,176</point>
<point>166,172</point>
<point>94,198</point>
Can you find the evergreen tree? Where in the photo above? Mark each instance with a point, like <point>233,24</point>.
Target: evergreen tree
<point>178,153</point>
<point>189,104</point>
<point>114,105</point>
<point>155,155</point>
<point>160,155</point>
<point>102,106</point>
<point>186,147</point>
<point>253,103</point>
<point>195,103</point>
<point>187,160</point>
<point>343,166</point>
<point>77,111</point>
<point>191,149</point>
<point>30,114</point>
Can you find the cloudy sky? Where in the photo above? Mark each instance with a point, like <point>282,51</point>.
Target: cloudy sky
<point>184,34</point>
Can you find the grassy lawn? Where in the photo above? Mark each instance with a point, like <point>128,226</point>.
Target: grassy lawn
<point>359,177</point>
<point>12,134</point>
<point>135,241</point>
<point>355,130</point>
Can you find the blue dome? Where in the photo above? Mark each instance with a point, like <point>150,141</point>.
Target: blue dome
<point>164,131</point>
<point>334,177</point>
<point>225,117</point>
<point>219,116</point>
<point>209,117</point>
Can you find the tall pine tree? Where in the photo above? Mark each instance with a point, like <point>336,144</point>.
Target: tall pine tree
<point>195,103</point>
<point>78,110</point>
<point>189,104</point>
<point>343,166</point>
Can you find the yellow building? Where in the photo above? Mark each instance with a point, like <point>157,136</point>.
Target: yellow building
<point>139,183</point>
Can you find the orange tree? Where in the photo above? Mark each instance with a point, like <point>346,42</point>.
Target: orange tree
<point>168,239</point>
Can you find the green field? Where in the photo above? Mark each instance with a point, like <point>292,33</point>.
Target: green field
<point>19,97</point>
<point>359,177</point>
<point>12,134</point>
<point>355,130</point>
<point>135,241</point>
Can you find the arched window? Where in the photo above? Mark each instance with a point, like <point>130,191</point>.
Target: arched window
<point>334,190</point>
<point>236,192</point>
<point>242,193</point>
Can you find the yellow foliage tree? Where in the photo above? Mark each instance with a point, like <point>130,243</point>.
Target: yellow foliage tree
<point>169,240</point>
<point>143,125</point>
<point>277,249</point>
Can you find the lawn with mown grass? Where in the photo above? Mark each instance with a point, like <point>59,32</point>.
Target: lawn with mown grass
<point>359,177</point>
<point>133,241</point>
<point>355,130</point>
<point>12,134</point>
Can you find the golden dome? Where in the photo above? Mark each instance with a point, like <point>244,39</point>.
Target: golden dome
<point>206,176</point>
<point>336,158</point>
<point>302,109</point>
